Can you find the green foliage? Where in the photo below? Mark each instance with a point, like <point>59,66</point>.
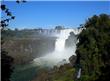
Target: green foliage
<point>84,78</point>
<point>64,74</point>
<point>6,60</point>
<point>6,66</point>
<point>93,47</point>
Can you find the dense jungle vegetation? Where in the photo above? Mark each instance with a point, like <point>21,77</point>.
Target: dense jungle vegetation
<point>93,54</point>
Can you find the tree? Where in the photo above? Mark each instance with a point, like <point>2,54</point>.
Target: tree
<point>93,52</point>
<point>6,66</point>
<point>6,61</point>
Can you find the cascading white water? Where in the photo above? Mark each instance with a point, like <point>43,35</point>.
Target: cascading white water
<point>60,42</point>
<point>60,52</point>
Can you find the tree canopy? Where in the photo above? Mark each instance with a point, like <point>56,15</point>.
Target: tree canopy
<point>93,49</point>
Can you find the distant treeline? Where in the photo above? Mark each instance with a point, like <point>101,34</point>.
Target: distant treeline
<point>28,32</point>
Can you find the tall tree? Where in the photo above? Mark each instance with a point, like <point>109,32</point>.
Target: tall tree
<point>6,60</point>
<point>93,52</point>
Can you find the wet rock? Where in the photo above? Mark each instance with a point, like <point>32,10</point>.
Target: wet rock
<point>72,60</point>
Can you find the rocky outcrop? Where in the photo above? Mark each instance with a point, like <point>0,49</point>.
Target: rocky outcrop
<point>71,41</point>
<point>42,76</point>
<point>72,60</point>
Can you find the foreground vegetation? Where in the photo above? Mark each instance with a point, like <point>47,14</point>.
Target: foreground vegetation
<point>62,73</point>
<point>93,53</point>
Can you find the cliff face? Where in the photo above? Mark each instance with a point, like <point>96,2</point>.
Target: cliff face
<point>71,41</point>
<point>72,60</point>
<point>26,49</point>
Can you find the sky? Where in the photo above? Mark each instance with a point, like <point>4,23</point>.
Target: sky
<point>48,14</point>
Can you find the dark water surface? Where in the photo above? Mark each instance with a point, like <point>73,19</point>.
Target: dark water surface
<point>24,72</point>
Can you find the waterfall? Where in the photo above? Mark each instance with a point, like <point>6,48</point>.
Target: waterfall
<point>60,53</point>
<point>60,42</point>
<point>79,73</point>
